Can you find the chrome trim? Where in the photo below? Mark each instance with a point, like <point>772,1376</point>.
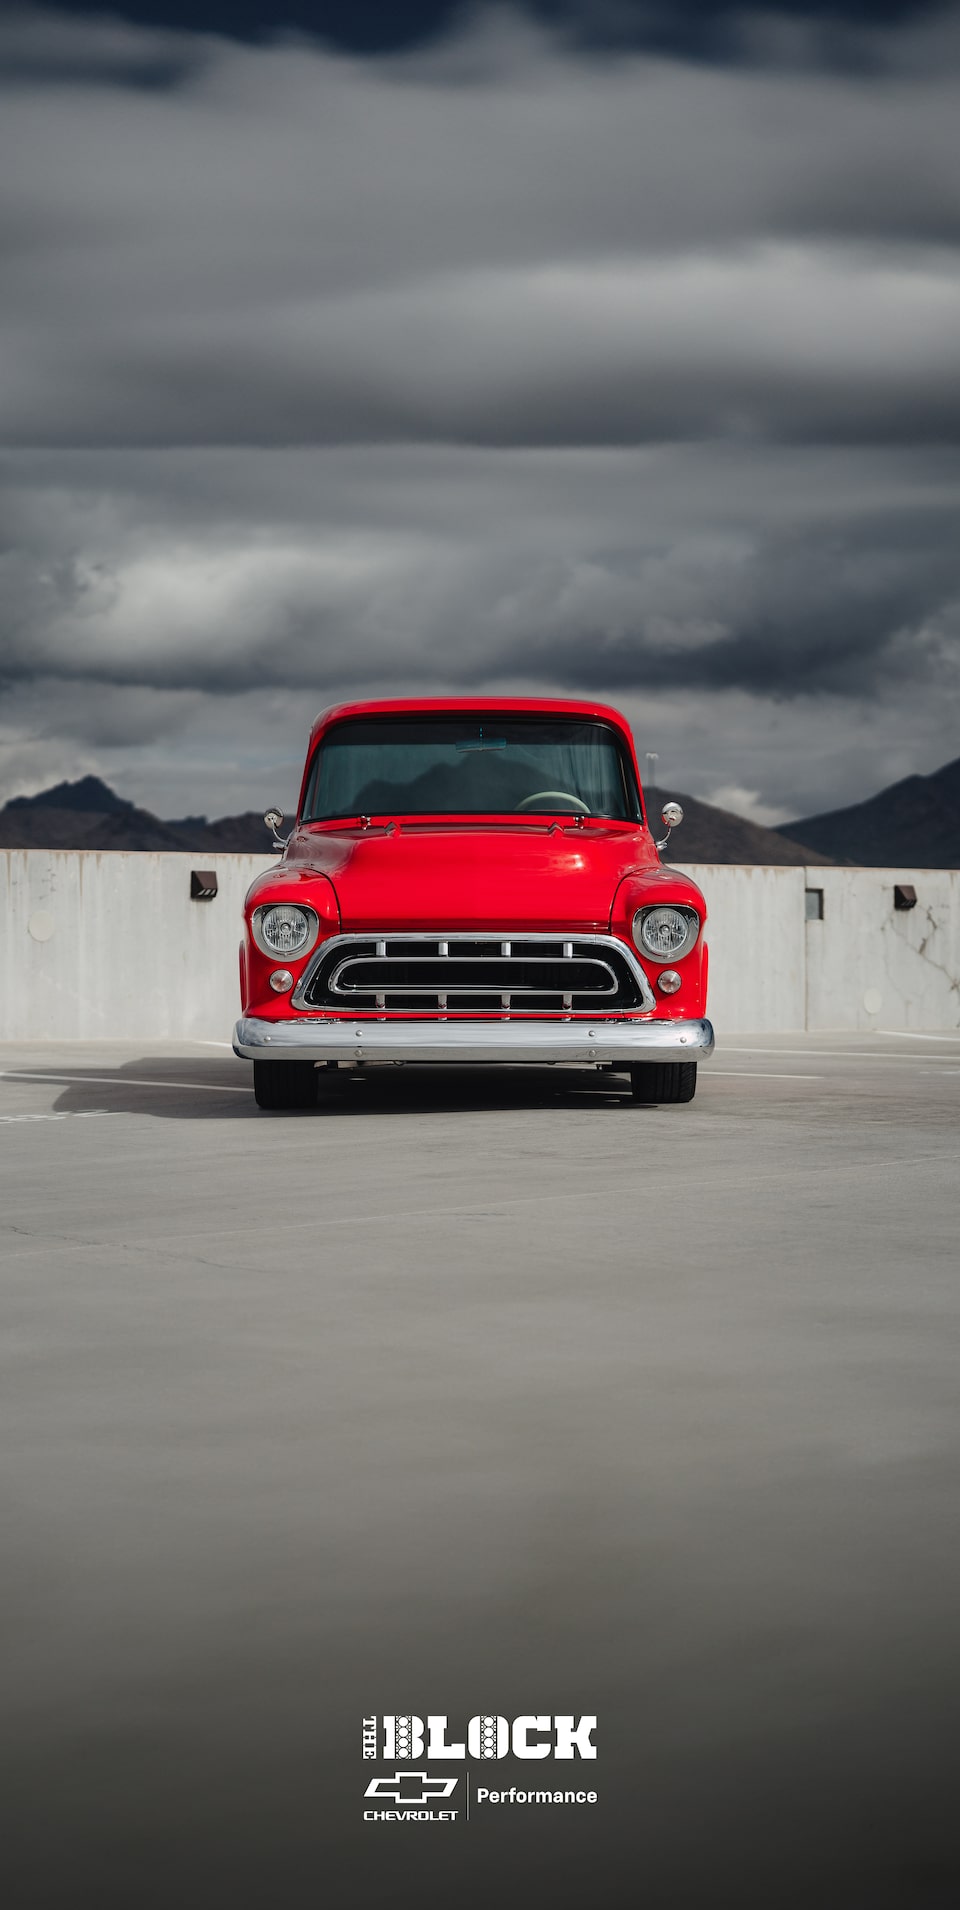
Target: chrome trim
<point>334,943</point>
<point>346,992</point>
<point>273,818</point>
<point>671,815</point>
<point>694,925</point>
<point>313,929</point>
<point>484,1042</point>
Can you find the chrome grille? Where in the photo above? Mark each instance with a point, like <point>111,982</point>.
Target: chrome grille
<point>467,973</point>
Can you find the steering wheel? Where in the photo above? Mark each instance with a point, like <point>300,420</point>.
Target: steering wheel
<point>558,798</point>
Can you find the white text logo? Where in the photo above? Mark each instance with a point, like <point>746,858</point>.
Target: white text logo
<point>532,1735</point>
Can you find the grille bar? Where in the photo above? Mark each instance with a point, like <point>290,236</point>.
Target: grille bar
<point>427,975</point>
<point>490,974</point>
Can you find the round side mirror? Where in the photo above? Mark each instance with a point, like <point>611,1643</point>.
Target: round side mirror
<point>273,818</point>
<point>671,814</point>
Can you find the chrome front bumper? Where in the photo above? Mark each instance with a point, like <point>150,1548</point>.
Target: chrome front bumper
<point>516,1042</point>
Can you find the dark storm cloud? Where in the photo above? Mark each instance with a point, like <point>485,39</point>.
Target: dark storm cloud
<point>498,245</point>
<point>768,343</point>
<point>777,572</point>
<point>41,47</point>
<point>797,615</point>
<point>498,363</point>
<point>702,28</point>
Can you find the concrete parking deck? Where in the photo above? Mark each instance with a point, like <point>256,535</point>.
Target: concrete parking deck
<point>469,1394</point>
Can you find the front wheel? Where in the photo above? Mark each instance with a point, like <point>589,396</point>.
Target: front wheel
<point>654,1081</point>
<point>285,1084</point>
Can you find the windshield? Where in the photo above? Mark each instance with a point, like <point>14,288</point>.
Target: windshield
<point>470,765</point>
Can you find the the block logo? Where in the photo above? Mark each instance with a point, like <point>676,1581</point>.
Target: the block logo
<point>489,1735</point>
<point>402,1795</point>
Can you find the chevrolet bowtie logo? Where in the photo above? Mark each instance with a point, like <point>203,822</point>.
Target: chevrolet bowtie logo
<point>411,1787</point>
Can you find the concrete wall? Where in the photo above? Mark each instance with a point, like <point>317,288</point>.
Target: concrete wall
<point>110,945</point>
<point>756,939</point>
<point>881,967</point>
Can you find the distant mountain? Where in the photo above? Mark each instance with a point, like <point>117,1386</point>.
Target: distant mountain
<point>89,796</point>
<point>39,825</point>
<point>913,823</point>
<point>87,815</point>
<point>708,834</point>
<point>238,835</point>
<point>139,830</point>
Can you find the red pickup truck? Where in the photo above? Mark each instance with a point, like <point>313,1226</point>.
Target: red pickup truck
<point>473,880</point>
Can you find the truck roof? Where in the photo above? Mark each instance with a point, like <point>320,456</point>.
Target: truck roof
<point>439,705</point>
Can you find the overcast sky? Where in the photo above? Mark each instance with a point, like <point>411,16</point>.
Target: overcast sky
<point>418,348</point>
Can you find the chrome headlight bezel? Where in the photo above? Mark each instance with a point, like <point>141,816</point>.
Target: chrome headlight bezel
<point>274,951</point>
<point>666,955</point>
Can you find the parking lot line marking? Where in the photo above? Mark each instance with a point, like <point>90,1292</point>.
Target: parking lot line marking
<point>752,1074</point>
<point>118,1081</point>
<point>833,1054</point>
<point>913,1034</point>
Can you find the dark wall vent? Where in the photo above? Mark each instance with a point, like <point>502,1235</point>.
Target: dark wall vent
<point>904,895</point>
<point>203,885</point>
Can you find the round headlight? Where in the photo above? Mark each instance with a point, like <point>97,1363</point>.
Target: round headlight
<point>284,928</point>
<point>666,933</point>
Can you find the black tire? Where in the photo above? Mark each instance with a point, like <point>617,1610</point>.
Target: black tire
<point>654,1081</point>
<point>285,1084</point>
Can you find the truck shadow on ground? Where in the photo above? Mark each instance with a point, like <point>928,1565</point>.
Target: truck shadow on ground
<point>410,1090</point>
<point>198,1092</point>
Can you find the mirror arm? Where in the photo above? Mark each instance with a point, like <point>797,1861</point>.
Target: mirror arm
<point>273,818</point>
<point>672,815</point>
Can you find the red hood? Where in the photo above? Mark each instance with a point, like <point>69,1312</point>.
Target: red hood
<point>435,875</point>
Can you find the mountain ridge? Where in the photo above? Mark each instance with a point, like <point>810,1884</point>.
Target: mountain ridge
<point>710,834</point>
<point>88,796</point>
<point>66,817</point>
<point>88,814</point>
<point>915,821</point>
